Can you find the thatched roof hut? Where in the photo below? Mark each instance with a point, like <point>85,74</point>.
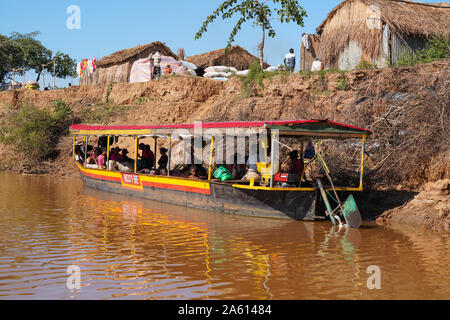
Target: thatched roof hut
<point>117,66</point>
<point>236,57</point>
<point>378,31</point>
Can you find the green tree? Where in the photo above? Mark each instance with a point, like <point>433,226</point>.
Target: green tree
<point>25,51</point>
<point>31,51</point>
<point>260,13</point>
<point>65,66</point>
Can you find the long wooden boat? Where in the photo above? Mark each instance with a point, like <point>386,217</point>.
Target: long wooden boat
<point>270,201</point>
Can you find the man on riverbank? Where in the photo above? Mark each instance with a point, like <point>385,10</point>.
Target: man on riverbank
<point>289,61</point>
<point>156,65</point>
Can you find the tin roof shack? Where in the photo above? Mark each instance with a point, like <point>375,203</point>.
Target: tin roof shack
<point>117,66</point>
<point>308,55</point>
<point>236,57</point>
<point>379,31</point>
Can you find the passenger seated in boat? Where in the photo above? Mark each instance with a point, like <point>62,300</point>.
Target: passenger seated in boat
<point>237,170</point>
<point>147,157</point>
<point>127,161</point>
<point>102,142</point>
<point>92,157</point>
<point>101,160</point>
<point>195,174</point>
<point>115,155</point>
<point>79,154</point>
<point>295,165</point>
<point>164,159</point>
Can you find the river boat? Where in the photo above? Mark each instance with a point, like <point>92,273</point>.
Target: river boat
<point>272,197</point>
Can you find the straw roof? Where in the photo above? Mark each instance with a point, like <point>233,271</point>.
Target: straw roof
<point>407,17</point>
<point>236,57</point>
<point>348,22</point>
<point>123,56</point>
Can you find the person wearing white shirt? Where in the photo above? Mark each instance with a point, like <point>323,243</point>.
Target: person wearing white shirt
<point>289,60</point>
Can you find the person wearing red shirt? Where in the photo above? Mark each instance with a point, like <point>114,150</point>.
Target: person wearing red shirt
<point>296,164</point>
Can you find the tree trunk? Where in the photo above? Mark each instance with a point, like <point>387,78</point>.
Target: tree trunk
<point>261,48</point>
<point>54,74</point>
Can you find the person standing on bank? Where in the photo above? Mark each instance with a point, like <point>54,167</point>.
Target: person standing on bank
<point>150,58</point>
<point>289,61</point>
<point>156,65</point>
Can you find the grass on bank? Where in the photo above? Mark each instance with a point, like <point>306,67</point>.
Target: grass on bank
<point>102,113</point>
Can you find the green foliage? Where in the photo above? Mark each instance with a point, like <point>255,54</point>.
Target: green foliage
<point>102,113</point>
<point>24,51</point>
<point>258,12</point>
<point>256,75</point>
<point>342,84</point>
<point>65,66</point>
<point>142,100</point>
<point>34,132</point>
<point>365,65</point>
<point>108,92</point>
<point>436,49</point>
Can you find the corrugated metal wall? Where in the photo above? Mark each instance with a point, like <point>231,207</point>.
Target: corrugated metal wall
<point>400,45</point>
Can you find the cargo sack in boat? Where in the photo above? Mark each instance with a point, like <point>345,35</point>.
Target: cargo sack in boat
<point>226,176</point>
<point>219,172</point>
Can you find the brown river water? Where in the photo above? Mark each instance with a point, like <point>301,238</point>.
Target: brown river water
<point>132,249</point>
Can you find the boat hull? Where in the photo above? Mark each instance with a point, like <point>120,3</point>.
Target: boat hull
<point>224,198</point>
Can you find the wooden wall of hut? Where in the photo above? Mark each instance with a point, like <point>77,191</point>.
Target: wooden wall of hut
<point>307,57</point>
<point>114,73</point>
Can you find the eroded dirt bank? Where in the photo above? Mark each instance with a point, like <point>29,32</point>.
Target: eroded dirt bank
<point>406,107</point>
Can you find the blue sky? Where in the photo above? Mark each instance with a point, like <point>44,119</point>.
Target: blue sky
<point>109,26</point>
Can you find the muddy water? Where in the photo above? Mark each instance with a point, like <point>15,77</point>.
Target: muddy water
<point>132,249</point>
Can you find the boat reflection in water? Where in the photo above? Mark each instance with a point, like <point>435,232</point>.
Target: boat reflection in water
<point>136,249</point>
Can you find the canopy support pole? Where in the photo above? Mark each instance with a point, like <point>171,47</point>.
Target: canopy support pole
<point>363,150</point>
<point>107,150</point>
<point>211,159</point>
<point>73,146</point>
<point>272,158</point>
<point>156,152</point>
<point>136,151</point>
<point>86,140</point>
<point>169,155</point>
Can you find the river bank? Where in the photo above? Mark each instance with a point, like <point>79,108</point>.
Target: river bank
<point>407,108</point>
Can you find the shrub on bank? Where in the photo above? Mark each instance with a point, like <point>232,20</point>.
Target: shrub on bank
<point>437,48</point>
<point>256,75</point>
<point>33,132</point>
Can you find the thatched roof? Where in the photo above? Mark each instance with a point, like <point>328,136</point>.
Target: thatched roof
<point>122,56</point>
<point>407,17</point>
<point>236,57</point>
<point>348,22</point>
